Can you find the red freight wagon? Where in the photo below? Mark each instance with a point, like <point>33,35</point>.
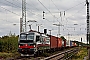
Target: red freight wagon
<point>59,43</point>
<point>53,42</point>
<point>64,43</point>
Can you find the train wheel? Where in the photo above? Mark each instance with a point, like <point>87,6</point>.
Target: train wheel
<point>35,54</point>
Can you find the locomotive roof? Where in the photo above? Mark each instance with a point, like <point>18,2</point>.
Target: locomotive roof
<point>31,31</point>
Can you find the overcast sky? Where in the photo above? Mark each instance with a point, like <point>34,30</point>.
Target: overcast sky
<point>75,13</point>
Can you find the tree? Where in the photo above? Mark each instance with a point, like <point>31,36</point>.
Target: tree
<point>63,38</point>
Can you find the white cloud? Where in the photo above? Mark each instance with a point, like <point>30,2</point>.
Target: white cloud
<point>75,13</point>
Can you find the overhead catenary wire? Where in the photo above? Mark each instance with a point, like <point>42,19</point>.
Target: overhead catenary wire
<point>19,7</point>
<point>67,9</point>
<point>73,15</point>
<point>13,3</point>
<point>55,5</point>
<point>9,11</point>
<point>37,15</point>
<point>6,20</point>
<point>55,17</point>
<point>47,9</point>
<point>75,6</point>
<point>58,9</point>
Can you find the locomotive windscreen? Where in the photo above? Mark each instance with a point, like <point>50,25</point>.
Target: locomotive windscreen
<point>26,38</point>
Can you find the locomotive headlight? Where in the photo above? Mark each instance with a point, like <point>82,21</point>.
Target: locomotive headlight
<point>34,45</point>
<point>19,45</point>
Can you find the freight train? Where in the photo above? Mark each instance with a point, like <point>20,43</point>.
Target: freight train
<point>34,42</point>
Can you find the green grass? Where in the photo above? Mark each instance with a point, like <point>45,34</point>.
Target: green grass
<point>7,55</point>
<point>81,54</point>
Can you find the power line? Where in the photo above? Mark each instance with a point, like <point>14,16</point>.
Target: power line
<point>12,3</point>
<point>16,6</point>
<point>55,5</point>
<point>38,14</point>
<point>74,6</point>
<point>6,20</point>
<point>9,11</point>
<point>47,9</point>
<point>20,7</point>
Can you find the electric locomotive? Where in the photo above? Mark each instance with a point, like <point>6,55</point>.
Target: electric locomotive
<point>32,42</point>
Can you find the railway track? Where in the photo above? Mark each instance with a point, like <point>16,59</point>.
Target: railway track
<point>64,55</point>
<point>23,58</point>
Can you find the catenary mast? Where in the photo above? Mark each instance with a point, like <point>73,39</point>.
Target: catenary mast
<point>88,29</point>
<point>23,19</point>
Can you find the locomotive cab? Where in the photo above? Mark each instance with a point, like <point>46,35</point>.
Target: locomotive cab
<point>28,41</point>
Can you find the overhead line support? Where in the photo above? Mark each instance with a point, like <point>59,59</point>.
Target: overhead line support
<point>88,29</point>
<point>23,15</point>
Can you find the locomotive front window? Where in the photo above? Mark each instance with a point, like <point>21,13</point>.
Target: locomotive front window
<point>30,37</point>
<point>23,37</point>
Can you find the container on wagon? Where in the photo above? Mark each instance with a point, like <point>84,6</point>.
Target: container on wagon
<point>60,43</point>
<point>53,42</point>
<point>69,43</point>
<point>64,43</point>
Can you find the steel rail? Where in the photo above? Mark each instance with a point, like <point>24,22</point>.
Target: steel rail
<point>62,55</point>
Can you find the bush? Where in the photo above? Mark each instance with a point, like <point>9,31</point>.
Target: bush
<point>9,44</point>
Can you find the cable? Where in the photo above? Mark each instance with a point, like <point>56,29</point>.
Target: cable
<point>12,3</point>
<point>74,6</point>
<point>6,20</point>
<point>10,11</point>
<point>55,5</point>
<point>17,6</point>
<point>38,14</point>
<point>73,15</point>
<point>47,9</point>
<point>76,12</point>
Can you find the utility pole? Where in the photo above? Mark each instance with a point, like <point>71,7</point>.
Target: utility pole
<point>87,21</point>
<point>58,28</point>
<point>88,29</point>
<point>21,25</point>
<point>23,16</point>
